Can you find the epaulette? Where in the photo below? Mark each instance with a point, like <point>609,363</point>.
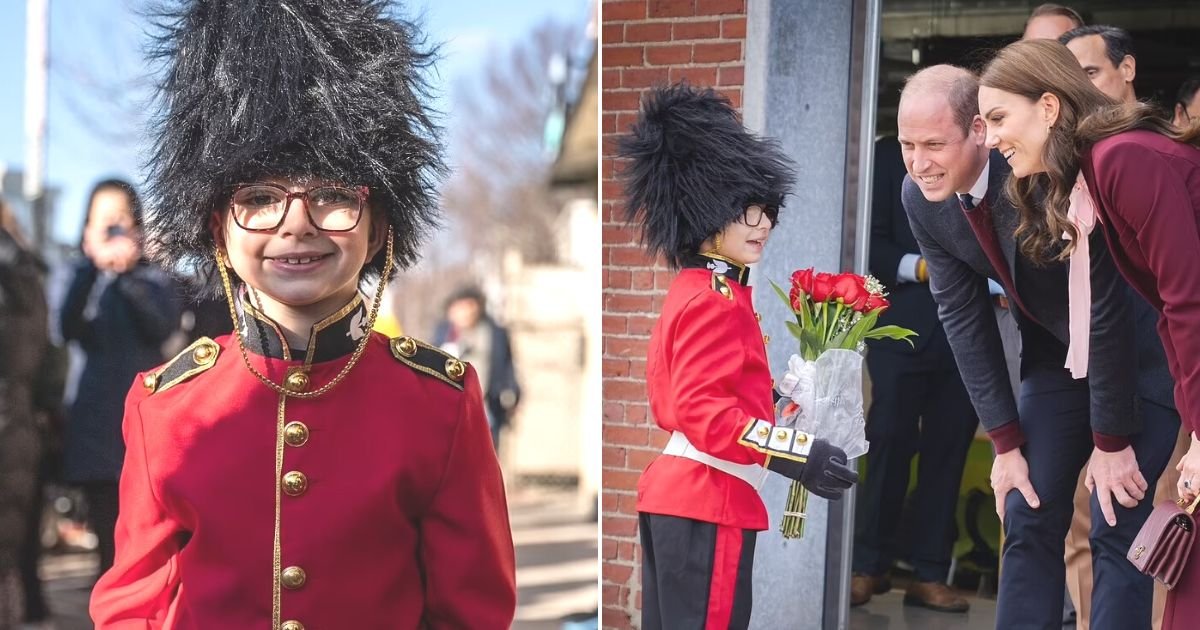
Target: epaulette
<point>194,359</point>
<point>427,359</point>
<point>720,284</point>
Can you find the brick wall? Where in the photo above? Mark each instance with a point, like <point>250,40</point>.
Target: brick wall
<point>645,43</point>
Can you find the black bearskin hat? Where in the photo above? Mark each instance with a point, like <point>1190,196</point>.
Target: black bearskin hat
<point>694,168</point>
<point>331,89</point>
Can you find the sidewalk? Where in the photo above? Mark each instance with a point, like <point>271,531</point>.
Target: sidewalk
<point>556,565</point>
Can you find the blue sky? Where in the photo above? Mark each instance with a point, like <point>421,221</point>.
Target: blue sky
<point>97,73</point>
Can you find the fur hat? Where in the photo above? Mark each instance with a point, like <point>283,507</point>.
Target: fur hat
<point>694,168</point>
<point>329,89</point>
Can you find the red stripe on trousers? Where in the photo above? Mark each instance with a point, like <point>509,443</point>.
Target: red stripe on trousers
<point>721,591</point>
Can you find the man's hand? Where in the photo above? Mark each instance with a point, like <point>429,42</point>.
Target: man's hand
<point>1115,474</point>
<point>1011,472</point>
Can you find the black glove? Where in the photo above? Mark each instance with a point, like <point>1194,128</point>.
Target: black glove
<point>825,472</point>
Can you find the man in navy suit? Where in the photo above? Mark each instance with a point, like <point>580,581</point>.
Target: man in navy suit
<point>918,404</point>
<point>965,228</point>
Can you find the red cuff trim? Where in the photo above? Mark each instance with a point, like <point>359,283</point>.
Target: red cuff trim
<point>1007,437</point>
<point>1110,443</point>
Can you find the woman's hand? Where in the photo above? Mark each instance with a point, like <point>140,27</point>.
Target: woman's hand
<point>1189,472</point>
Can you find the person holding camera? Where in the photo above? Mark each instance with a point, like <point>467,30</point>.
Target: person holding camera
<point>119,309</point>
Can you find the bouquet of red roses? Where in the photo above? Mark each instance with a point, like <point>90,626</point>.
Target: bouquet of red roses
<point>834,315</point>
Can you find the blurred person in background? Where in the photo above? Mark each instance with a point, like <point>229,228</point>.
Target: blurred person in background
<point>119,309</point>
<point>1187,103</point>
<point>1049,21</point>
<point>469,333</point>
<point>24,337</point>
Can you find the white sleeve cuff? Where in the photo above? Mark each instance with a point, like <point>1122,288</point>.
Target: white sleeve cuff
<point>907,272</point>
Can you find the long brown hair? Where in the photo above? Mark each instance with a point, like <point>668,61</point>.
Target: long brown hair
<point>1031,68</point>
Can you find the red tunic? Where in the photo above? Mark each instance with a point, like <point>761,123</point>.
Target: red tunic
<point>402,523</point>
<point>707,377</point>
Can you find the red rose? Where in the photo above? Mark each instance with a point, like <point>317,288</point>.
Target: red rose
<point>822,287</point>
<point>850,289</point>
<point>876,302</point>
<point>803,279</point>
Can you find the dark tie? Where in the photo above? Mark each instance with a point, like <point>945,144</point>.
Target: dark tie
<point>968,202</point>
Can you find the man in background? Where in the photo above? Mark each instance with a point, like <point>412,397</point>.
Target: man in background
<point>470,334</point>
<point>1187,103</point>
<point>1048,21</point>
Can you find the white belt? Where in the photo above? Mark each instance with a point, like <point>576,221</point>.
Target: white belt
<point>752,474</point>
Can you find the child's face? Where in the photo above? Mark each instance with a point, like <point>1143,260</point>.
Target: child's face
<point>297,265</point>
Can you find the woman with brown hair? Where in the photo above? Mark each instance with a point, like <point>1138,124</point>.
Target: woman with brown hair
<point>1080,160</point>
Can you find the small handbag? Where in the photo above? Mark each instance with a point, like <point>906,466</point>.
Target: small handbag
<point>1162,547</point>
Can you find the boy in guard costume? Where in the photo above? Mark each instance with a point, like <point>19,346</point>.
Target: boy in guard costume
<point>303,471</point>
<point>707,194</point>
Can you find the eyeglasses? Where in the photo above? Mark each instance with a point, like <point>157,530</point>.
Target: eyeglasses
<point>262,207</point>
<point>754,213</point>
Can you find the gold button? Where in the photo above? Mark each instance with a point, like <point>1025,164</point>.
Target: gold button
<point>295,483</point>
<point>295,434</point>
<point>291,624</point>
<point>293,578</point>
<point>766,339</point>
<point>801,437</point>
<point>406,346</point>
<point>296,382</point>
<point>150,382</point>
<point>764,432</point>
<point>455,369</point>
<point>782,435</point>
<point>202,354</point>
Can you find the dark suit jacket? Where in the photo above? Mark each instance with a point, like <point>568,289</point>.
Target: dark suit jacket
<point>502,392</point>
<point>891,238</point>
<point>1147,191</point>
<point>959,269</point>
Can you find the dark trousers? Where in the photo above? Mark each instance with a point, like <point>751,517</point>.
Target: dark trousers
<point>103,500</point>
<point>695,575</point>
<point>31,552</point>
<point>919,405</point>
<point>1054,416</point>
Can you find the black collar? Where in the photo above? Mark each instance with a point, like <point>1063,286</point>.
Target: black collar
<point>719,264</point>
<point>333,337</point>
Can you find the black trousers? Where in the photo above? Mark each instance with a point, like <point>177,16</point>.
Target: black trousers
<point>1055,418</point>
<point>919,405</point>
<point>103,501</point>
<point>695,575</point>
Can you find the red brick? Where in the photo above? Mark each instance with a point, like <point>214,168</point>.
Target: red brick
<point>625,550</point>
<point>613,412</point>
<point>617,572</point>
<point>608,503</point>
<point>639,325</point>
<point>735,97</point>
<point>610,78</point>
<point>613,456</point>
<point>616,368</point>
<point>696,30</point>
<point>625,390</point>
<point>637,369</point>
<point>627,503</point>
<point>623,11</point>
<point>622,56</point>
<point>715,52</point>
<point>612,190</point>
<point>628,303</point>
<point>613,33</point>
<point>663,279</point>
<point>671,8</point>
<point>618,235</point>
<point>616,619</point>
<point>609,548</point>
<point>638,413</point>
<point>608,122</point>
<point>643,77</point>
<point>618,279</point>
<point>620,479</point>
<point>625,347</point>
<point>642,280</point>
<point>720,7</point>
<point>733,28</point>
<point>658,439</point>
<point>631,255</point>
<point>624,121</point>
<point>705,76</point>
<point>731,75</point>
<point>665,55</point>
<point>648,32</point>
<point>638,459</point>
<point>618,324</point>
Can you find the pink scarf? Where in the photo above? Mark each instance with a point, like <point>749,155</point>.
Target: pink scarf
<point>1081,214</point>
